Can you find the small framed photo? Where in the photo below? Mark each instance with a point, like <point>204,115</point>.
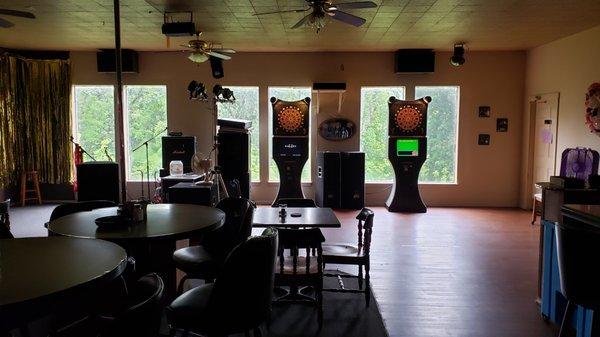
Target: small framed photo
<point>485,111</point>
<point>484,139</point>
<point>502,124</point>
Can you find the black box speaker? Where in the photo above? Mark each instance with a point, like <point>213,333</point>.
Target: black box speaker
<point>414,61</point>
<point>352,174</point>
<point>98,180</point>
<point>178,148</point>
<point>327,192</point>
<point>234,158</point>
<point>106,62</point>
<point>216,65</point>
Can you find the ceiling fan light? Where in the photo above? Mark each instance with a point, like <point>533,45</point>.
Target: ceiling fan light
<point>198,57</point>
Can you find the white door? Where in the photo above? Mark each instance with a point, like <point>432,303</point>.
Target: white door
<point>546,119</point>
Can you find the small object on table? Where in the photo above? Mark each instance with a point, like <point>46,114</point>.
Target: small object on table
<point>296,215</point>
<point>112,221</point>
<point>309,217</point>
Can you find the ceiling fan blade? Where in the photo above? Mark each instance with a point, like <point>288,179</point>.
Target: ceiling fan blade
<point>355,5</point>
<point>228,51</point>
<point>301,22</point>
<point>348,18</point>
<point>5,23</point>
<point>221,56</point>
<point>20,14</point>
<point>286,11</point>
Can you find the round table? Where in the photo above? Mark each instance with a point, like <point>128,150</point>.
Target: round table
<point>35,272</point>
<point>151,243</point>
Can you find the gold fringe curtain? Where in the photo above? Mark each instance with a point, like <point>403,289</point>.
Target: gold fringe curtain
<point>35,119</point>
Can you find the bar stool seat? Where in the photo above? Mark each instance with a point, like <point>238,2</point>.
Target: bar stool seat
<point>32,177</point>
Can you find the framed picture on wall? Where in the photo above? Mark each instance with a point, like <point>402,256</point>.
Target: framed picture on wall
<point>484,139</point>
<point>485,111</point>
<point>502,124</point>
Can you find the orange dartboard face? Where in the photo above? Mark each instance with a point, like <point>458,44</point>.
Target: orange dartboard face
<point>408,118</point>
<point>290,118</point>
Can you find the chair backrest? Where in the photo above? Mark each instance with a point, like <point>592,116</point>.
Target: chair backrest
<point>239,213</point>
<point>243,289</point>
<point>5,231</point>
<point>576,248</point>
<point>293,241</point>
<point>295,202</point>
<point>143,310</point>
<point>365,229</point>
<point>82,206</point>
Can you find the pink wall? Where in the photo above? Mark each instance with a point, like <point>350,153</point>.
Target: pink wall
<point>487,176</point>
<point>567,66</point>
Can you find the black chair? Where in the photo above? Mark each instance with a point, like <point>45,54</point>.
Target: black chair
<point>295,202</point>
<point>359,255</point>
<point>239,300</point>
<point>300,264</point>
<point>82,206</point>
<point>577,247</point>
<point>204,261</point>
<point>4,212</point>
<point>5,231</point>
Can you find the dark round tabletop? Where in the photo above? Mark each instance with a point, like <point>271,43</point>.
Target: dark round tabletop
<point>165,221</point>
<point>35,270</point>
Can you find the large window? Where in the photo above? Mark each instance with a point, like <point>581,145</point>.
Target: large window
<point>94,120</point>
<point>374,131</point>
<point>246,107</point>
<point>287,94</point>
<point>146,116</point>
<point>442,126</point>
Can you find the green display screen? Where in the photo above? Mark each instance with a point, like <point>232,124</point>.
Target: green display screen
<point>407,147</point>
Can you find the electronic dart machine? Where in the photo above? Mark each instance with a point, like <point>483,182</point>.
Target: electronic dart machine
<point>290,144</point>
<point>407,151</point>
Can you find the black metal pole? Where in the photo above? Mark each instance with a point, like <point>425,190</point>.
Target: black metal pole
<point>119,102</point>
<point>147,171</point>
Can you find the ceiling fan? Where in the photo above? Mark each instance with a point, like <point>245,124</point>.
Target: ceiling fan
<point>323,8</point>
<point>203,50</point>
<point>7,24</point>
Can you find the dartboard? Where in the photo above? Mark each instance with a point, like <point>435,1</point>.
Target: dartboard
<point>408,118</point>
<point>290,118</point>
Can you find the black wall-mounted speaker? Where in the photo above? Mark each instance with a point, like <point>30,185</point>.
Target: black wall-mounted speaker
<point>414,61</point>
<point>106,63</point>
<point>178,148</point>
<point>216,65</point>
<point>98,180</point>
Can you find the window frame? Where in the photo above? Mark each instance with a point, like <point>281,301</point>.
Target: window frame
<point>128,147</point>
<point>360,145</point>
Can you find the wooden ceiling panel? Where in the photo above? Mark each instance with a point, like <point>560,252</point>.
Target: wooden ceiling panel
<point>483,24</point>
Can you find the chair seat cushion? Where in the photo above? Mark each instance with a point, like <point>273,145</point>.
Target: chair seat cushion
<point>190,310</point>
<point>196,260</point>
<point>288,265</point>
<point>341,249</point>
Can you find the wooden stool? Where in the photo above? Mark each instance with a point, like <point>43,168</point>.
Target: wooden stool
<point>30,176</point>
<point>537,203</point>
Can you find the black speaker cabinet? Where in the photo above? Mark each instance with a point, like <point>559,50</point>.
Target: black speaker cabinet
<point>106,61</point>
<point>352,185</point>
<point>408,118</point>
<point>234,158</point>
<point>290,118</point>
<point>98,180</point>
<point>216,65</point>
<point>327,192</point>
<point>178,148</point>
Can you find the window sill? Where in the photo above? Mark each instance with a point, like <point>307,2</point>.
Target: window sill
<point>381,183</point>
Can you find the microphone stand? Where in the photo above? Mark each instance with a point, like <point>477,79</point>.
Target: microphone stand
<point>82,149</point>
<point>145,144</point>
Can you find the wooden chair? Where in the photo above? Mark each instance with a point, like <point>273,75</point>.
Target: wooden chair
<point>359,255</point>
<point>300,264</point>
<point>4,212</point>
<point>537,205</point>
<point>30,176</point>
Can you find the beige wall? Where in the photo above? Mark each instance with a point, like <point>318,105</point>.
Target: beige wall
<point>487,176</point>
<point>567,66</point>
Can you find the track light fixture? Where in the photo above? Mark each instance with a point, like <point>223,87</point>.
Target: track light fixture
<point>458,58</point>
<point>197,91</point>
